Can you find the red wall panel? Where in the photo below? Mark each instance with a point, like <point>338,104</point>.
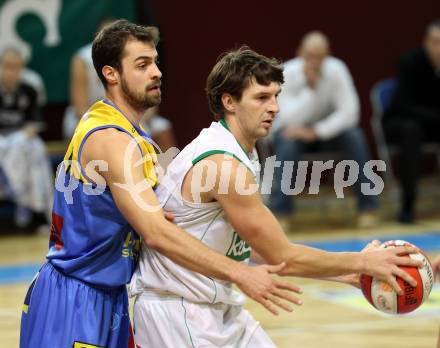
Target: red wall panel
<point>368,35</point>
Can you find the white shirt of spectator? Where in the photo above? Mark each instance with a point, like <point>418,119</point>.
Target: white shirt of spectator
<point>330,108</point>
<point>95,87</point>
<point>34,79</point>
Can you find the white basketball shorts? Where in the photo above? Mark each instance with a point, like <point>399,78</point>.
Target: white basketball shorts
<point>173,322</point>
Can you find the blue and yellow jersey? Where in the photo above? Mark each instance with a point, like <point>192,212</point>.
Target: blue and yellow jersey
<point>90,238</point>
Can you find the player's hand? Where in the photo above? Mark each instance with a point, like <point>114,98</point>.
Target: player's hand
<point>373,245</point>
<point>258,284</point>
<point>383,264</point>
<point>354,278</point>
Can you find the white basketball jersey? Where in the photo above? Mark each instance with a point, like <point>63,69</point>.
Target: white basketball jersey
<point>205,221</point>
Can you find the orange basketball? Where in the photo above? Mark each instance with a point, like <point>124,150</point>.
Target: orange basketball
<point>384,298</point>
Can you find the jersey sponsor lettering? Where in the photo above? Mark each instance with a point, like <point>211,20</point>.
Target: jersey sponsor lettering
<point>131,247</point>
<point>239,249</point>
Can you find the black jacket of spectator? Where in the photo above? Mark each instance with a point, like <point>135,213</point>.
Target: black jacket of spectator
<point>418,89</point>
<point>414,118</point>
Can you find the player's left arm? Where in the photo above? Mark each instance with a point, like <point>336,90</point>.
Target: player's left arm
<point>254,222</point>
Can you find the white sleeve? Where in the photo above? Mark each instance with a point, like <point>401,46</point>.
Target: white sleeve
<point>346,105</point>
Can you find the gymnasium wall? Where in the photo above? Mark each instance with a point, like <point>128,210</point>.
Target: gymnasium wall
<point>367,35</point>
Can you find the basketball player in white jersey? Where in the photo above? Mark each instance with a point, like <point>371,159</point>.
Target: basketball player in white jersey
<point>208,187</point>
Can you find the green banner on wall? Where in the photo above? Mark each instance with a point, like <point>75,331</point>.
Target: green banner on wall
<point>49,32</point>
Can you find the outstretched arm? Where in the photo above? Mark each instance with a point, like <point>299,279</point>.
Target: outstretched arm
<point>159,234</point>
<point>257,225</point>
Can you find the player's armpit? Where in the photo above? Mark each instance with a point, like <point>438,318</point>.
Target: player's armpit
<point>160,234</point>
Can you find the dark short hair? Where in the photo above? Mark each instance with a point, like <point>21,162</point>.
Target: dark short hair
<point>435,24</point>
<point>233,72</point>
<point>108,45</point>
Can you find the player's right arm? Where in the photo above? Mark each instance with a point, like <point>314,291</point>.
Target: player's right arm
<point>258,227</point>
<point>161,235</point>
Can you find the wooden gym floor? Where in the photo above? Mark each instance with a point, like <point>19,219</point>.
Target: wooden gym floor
<point>332,315</point>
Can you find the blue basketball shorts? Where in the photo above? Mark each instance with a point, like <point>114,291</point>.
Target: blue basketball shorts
<point>61,311</point>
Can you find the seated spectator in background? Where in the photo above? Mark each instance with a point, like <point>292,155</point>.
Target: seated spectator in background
<point>85,89</point>
<point>33,79</point>
<point>414,116</point>
<point>159,128</point>
<point>319,108</point>
<point>25,169</point>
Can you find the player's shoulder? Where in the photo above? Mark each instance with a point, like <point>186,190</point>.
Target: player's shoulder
<point>109,137</point>
<point>107,142</point>
<point>221,162</point>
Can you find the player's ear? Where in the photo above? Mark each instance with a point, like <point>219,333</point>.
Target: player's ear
<point>110,74</point>
<point>228,102</point>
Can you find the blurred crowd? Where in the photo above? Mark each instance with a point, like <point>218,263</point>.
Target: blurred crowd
<point>319,112</point>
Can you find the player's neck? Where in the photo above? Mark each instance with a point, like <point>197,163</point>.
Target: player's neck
<point>127,109</point>
<point>247,143</point>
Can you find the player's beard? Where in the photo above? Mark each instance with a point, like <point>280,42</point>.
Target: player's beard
<point>139,100</point>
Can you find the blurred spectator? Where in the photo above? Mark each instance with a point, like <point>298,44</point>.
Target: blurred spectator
<point>26,175</point>
<point>33,79</point>
<point>85,86</point>
<point>159,128</point>
<point>319,109</point>
<point>85,89</point>
<point>414,116</point>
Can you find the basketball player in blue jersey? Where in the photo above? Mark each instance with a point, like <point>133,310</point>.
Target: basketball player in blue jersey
<point>78,298</point>
<point>229,216</point>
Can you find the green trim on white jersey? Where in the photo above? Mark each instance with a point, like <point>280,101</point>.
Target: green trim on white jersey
<point>225,124</point>
<point>215,152</point>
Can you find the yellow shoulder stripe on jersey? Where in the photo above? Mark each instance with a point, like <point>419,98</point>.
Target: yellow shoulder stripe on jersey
<point>102,115</point>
